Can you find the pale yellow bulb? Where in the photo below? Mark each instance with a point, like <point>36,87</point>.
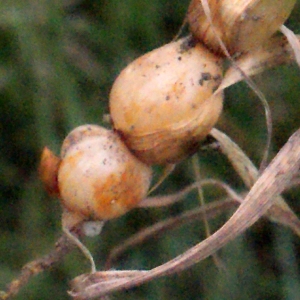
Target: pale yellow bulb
<point>242,25</point>
<point>98,177</point>
<point>162,104</point>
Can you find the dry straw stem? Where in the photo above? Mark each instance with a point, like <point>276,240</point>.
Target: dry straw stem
<point>168,169</point>
<point>293,40</point>
<point>62,247</point>
<point>209,211</point>
<point>245,74</point>
<point>279,212</point>
<point>273,181</point>
<point>277,51</point>
<point>161,201</point>
<point>197,175</point>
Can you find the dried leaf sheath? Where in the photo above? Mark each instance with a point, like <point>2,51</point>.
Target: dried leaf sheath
<point>279,212</point>
<point>277,51</point>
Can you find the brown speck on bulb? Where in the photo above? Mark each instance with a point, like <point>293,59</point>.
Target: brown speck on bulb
<point>163,113</point>
<point>99,178</point>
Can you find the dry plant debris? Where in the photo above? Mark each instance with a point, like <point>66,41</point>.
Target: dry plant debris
<point>263,199</point>
<point>258,201</point>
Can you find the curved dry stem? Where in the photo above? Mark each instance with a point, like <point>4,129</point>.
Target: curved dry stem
<point>85,251</point>
<point>293,41</point>
<point>196,168</point>
<point>180,31</point>
<point>168,169</point>
<point>260,198</point>
<point>210,211</point>
<point>247,79</point>
<point>161,201</point>
<point>276,52</point>
<point>62,247</point>
<point>279,212</point>
<point>239,160</point>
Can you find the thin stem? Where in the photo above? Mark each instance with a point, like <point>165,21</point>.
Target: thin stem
<point>293,41</point>
<point>250,83</point>
<point>168,169</point>
<point>33,268</point>
<point>82,247</point>
<point>195,162</point>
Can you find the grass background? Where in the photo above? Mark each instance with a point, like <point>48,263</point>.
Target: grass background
<point>58,60</point>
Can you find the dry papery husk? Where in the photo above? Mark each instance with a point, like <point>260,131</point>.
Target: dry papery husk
<point>275,52</point>
<point>242,25</point>
<point>48,169</point>
<point>163,103</point>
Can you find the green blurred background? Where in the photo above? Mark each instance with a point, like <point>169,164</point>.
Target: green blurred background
<point>58,60</point>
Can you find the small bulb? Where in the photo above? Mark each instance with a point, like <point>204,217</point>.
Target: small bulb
<point>163,103</point>
<point>242,25</point>
<point>98,178</point>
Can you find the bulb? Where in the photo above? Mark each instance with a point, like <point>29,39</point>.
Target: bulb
<point>242,25</point>
<point>163,103</point>
<point>98,178</point>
